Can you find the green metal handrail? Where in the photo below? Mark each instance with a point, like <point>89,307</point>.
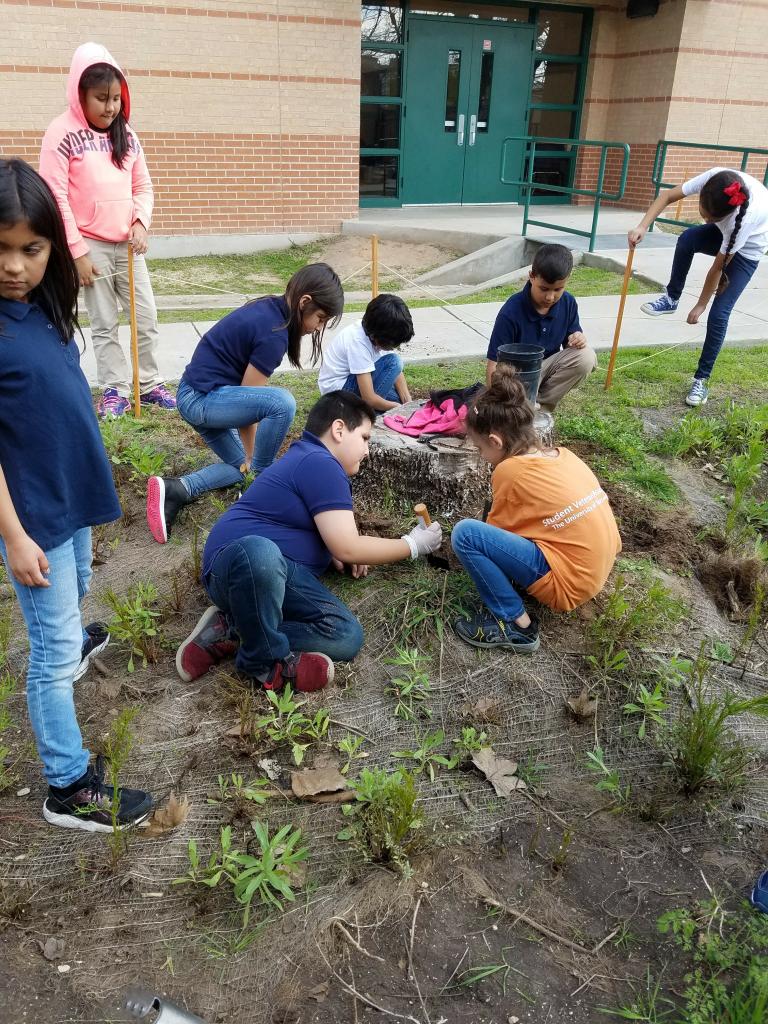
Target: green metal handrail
<point>598,194</point>
<point>660,159</point>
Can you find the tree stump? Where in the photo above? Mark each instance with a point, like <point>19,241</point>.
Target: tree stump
<point>447,473</point>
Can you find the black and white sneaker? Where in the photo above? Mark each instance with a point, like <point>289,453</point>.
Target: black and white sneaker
<point>87,804</point>
<point>98,638</point>
<point>166,497</point>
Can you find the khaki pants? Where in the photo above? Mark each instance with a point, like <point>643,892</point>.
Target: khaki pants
<point>563,371</point>
<point>112,367</point>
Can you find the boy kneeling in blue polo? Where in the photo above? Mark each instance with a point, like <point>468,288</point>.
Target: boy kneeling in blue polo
<point>264,556</point>
<point>545,314</point>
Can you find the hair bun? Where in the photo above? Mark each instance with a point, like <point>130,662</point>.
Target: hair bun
<point>506,385</point>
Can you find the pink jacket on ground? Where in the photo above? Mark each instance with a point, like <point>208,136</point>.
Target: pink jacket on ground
<point>96,198</point>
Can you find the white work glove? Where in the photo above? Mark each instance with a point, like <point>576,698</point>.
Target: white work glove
<point>424,540</point>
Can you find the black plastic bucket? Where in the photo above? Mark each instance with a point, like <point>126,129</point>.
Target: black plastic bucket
<point>527,361</point>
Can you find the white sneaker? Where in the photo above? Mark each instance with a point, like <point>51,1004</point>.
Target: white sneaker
<point>698,394</point>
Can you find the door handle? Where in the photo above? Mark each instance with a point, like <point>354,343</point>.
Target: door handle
<point>460,132</point>
<point>472,129</point>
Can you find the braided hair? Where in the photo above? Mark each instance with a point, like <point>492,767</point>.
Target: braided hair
<point>724,191</point>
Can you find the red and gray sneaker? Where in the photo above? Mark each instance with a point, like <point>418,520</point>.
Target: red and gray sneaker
<point>112,404</point>
<point>87,804</point>
<point>209,643</point>
<point>159,395</point>
<point>166,497</point>
<point>304,672</point>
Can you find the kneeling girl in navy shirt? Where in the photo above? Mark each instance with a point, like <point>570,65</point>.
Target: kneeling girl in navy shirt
<point>55,484</point>
<point>223,392</point>
<point>264,557</point>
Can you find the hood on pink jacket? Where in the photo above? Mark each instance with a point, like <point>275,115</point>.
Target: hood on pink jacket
<point>86,56</point>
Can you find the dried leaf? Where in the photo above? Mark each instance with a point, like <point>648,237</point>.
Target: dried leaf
<point>168,817</point>
<point>582,706</point>
<point>314,781</point>
<point>486,709</point>
<point>238,731</point>
<point>499,771</point>
<point>320,992</point>
<point>270,767</point>
<point>344,796</point>
<point>110,688</point>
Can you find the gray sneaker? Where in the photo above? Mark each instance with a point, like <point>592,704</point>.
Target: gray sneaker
<point>659,306</point>
<point>698,394</point>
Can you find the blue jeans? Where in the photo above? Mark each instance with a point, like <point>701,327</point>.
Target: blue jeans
<point>52,616</point>
<point>386,370</point>
<point>277,607</point>
<point>498,561</point>
<point>708,238</point>
<point>216,416</point>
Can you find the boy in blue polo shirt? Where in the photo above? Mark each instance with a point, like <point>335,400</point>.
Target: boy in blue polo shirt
<point>264,556</point>
<point>545,314</point>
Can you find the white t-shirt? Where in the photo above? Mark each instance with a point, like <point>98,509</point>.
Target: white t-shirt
<point>752,239</point>
<point>351,351</point>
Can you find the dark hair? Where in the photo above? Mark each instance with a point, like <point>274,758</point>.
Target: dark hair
<point>504,409</point>
<point>105,75</point>
<point>387,321</point>
<point>339,405</point>
<point>553,263</point>
<point>24,196</point>
<point>717,202</point>
<point>323,286</point>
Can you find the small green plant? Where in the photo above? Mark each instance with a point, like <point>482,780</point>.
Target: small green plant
<point>267,875</point>
<point>134,622</point>
<point>469,743</point>
<point>721,651</point>
<point>756,514</point>
<point>412,688</point>
<point>421,607</point>
<point>426,755</point>
<point>728,978</point>
<point>117,750</point>
<point>234,787</point>
<point>650,705</point>
<point>350,746</point>
<point>648,1007</point>
<point>700,745</point>
<point>285,724</point>
<point>608,780</point>
<point>384,819</point>
<point>532,772</point>
<point>743,471</point>
<point>560,857</point>
<point>7,689</point>
<point>629,619</point>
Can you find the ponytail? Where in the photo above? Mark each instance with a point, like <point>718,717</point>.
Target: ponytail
<point>724,191</point>
<point>503,408</point>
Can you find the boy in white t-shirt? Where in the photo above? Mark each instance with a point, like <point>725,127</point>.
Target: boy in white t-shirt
<point>362,357</point>
<point>734,207</point>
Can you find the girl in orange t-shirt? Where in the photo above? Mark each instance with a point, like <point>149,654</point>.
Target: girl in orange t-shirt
<point>550,531</point>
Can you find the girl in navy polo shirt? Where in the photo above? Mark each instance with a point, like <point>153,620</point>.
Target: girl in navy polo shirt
<point>55,484</point>
<point>223,392</point>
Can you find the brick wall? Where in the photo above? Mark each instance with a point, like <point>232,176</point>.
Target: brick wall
<point>248,111</point>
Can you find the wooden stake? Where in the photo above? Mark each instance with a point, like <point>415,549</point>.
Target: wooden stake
<point>679,208</point>
<point>420,511</point>
<point>134,336</point>
<point>619,318</point>
<point>374,266</point>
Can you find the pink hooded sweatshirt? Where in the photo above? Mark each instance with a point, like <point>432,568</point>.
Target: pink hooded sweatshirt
<point>96,198</point>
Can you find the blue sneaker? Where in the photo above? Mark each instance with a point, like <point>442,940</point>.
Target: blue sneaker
<point>759,897</point>
<point>698,394</point>
<point>659,306</point>
<point>484,630</point>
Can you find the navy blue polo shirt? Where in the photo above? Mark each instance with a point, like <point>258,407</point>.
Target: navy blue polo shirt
<point>51,451</point>
<point>519,323</point>
<point>282,502</point>
<point>255,334</point>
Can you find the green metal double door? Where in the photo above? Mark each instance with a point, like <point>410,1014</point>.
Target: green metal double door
<point>467,90</point>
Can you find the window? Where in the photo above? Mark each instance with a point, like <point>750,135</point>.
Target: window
<point>379,126</point>
<point>380,73</point>
<point>484,102</point>
<point>554,124</point>
<point>488,12</point>
<point>381,88</point>
<point>452,90</point>
<point>559,32</point>
<point>554,82</point>
<point>383,22</point>
<point>378,176</point>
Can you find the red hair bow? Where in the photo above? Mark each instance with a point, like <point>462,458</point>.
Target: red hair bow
<point>736,196</point>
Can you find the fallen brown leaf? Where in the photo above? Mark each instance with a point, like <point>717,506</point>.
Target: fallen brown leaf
<point>320,992</point>
<point>582,706</point>
<point>168,817</point>
<point>314,781</point>
<point>486,709</point>
<point>500,771</point>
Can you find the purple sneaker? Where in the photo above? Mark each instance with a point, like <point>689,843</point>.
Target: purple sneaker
<point>112,404</point>
<point>161,396</point>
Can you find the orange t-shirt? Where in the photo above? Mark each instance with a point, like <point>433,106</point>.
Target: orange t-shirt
<point>558,503</point>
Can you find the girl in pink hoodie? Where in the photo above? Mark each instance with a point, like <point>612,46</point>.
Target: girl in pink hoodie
<point>92,160</point>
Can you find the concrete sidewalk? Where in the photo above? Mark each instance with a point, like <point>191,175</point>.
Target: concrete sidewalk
<point>439,334</point>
